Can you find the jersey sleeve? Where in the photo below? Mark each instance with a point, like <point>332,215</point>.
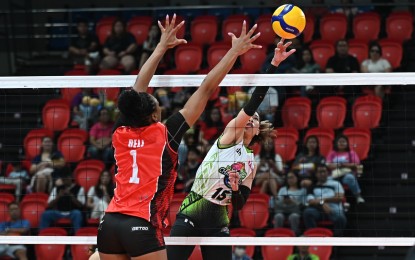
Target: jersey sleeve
<point>176,128</point>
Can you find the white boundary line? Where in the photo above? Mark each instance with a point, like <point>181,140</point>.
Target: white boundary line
<point>323,79</point>
<point>257,241</point>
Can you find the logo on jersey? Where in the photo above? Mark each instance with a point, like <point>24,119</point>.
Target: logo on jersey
<point>238,167</point>
<point>139,228</point>
<point>238,151</point>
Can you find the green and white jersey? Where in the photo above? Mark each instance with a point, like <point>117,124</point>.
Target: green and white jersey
<point>212,177</point>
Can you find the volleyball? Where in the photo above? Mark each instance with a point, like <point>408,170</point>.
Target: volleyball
<point>288,21</point>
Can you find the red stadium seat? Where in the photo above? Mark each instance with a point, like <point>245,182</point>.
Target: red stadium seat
<point>323,252</point>
<point>109,72</point>
<point>277,252</point>
<point>322,51</point>
<point>175,204</point>
<point>51,251</point>
<point>71,144</point>
<point>32,210</point>
<point>103,28</point>
<point>69,93</point>
<point>325,138</point>
<point>204,29</point>
<point>331,112</point>
<point>399,26</point>
<point>367,112</point>
<point>180,33</point>
<point>255,213</point>
<point>216,52</point>
<point>285,143</point>
<point>81,252</point>
<point>87,173</point>
<point>366,26</point>
<point>197,253</point>
<point>308,32</point>
<point>333,27</point>
<point>110,93</point>
<point>33,141</point>
<point>6,197</point>
<point>359,141</point>
<point>358,49</point>
<point>4,211</point>
<point>244,232</point>
<point>296,112</point>
<point>253,59</point>
<point>139,26</point>
<point>233,24</point>
<point>36,196</point>
<point>56,115</point>
<point>188,58</point>
<point>392,51</point>
<point>267,34</point>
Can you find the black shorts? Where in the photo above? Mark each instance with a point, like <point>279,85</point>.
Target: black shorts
<point>124,234</point>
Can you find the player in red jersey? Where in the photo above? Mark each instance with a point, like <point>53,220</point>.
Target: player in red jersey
<point>146,154</point>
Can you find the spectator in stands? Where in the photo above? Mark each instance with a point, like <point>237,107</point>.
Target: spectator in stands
<point>343,162</point>
<point>303,254</point>
<point>46,166</point>
<point>306,65</point>
<point>65,201</point>
<point>376,63</point>
<point>270,170</point>
<point>84,49</point>
<point>100,195</point>
<point>343,62</point>
<point>17,177</point>
<point>149,44</point>
<point>85,106</point>
<point>269,106</point>
<point>305,162</point>
<point>325,201</point>
<point>211,128</point>
<point>290,200</point>
<point>15,226</point>
<point>189,169</point>
<point>239,253</point>
<point>119,49</point>
<point>100,138</point>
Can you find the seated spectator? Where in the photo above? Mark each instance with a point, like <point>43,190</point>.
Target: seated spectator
<point>65,201</point>
<point>376,63</point>
<point>190,167</point>
<point>100,195</point>
<point>239,253</point>
<point>46,167</point>
<point>290,200</point>
<point>343,162</point>
<point>306,65</point>
<point>149,44</point>
<point>15,226</point>
<point>84,49</point>
<point>325,202</point>
<point>305,163</point>
<point>100,138</point>
<point>85,106</point>
<point>211,128</point>
<point>270,169</point>
<point>17,177</point>
<point>269,105</point>
<point>303,254</point>
<point>119,48</point>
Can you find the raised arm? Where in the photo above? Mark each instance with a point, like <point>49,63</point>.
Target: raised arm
<point>197,102</point>
<point>234,130</point>
<point>168,40</point>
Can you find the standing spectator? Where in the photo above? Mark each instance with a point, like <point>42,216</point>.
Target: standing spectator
<point>325,201</point>
<point>303,254</point>
<point>49,161</point>
<point>100,195</point>
<point>17,177</point>
<point>305,162</point>
<point>269,106</point>
<point>270,171</point>
<point>376,63</point>
<point>119,48</point>
<point>149,44</point>
<point>239,253</point>
<point>291,198</point>
<point>100,138</point>
<point>343,162</point>
<point>84,49</point>
<point>306,65</point>
<point>65,201</point>
<point>16,225</point>
<point>211,128</point>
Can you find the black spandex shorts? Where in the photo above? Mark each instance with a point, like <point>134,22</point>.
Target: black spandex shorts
<point>124,234</point>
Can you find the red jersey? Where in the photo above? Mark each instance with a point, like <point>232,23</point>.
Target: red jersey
<point>146,173</point>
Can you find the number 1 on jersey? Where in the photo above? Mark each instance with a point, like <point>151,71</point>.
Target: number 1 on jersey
<point>134,178</point>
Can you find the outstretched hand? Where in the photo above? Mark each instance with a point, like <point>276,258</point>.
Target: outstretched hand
<point>168,37</point>
<point>234,180</point>
<point>245,41</point>
<point>281,53</point>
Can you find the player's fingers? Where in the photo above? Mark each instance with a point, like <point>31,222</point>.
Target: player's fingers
<point>252,30</point>
<point>167,22</point>
<point>173,21</point>
<point>287,44</point>
<point>291,52</point>
<point>180,25</point>
<point>160,26</point>
<point>232,35</point>
<point>243,28</point>
<point>256,46</point>
<point>255,37</point>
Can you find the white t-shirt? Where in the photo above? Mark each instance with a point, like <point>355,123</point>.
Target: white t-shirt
<point>380,65</point>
